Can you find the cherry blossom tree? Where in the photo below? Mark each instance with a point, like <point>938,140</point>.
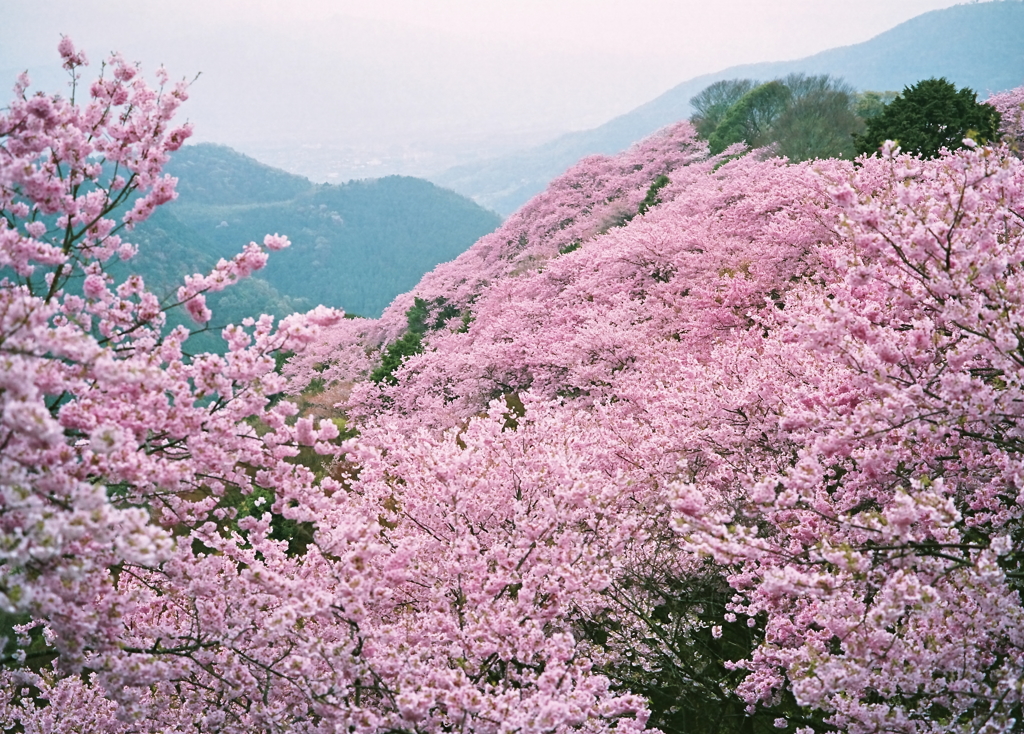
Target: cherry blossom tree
<point>885,558</point>
<point>121,457</point>
<point>1010,105</point>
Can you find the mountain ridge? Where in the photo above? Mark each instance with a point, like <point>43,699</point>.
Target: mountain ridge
<point>355,246</point>
<point>975,45</point>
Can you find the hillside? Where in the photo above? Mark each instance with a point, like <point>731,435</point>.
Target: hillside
<point>354,246</point>
<point>975,45</point>
<point>716,413</point>
<point>692,443</point>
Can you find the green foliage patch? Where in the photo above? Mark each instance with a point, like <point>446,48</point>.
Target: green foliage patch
<point>804,117</point>
<point>422,317</point>
<point>652,199</point>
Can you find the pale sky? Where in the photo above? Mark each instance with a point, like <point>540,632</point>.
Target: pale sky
<point>421,83</point>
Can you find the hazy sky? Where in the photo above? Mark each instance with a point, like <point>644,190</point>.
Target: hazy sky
<point>397,79</point>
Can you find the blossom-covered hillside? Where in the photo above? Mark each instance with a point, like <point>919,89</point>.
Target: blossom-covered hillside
<point>811,373</point>
<point>692,443</point>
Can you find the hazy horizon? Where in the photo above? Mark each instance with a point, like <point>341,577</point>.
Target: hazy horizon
<point>339,89</point>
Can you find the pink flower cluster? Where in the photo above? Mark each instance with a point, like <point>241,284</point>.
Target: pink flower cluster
<point>1011,109</point>
<point>120,456</point>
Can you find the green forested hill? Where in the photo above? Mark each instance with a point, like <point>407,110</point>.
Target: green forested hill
<point>354,246</point>
<point>219,175</point>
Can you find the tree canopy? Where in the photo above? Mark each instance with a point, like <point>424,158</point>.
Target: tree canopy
<point>751,118</point>
<point>804,116</point>
<point>928,116</point>
<point>713,102</point>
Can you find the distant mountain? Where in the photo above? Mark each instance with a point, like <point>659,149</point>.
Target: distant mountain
<point>354,246</point>
<point>978,45</point>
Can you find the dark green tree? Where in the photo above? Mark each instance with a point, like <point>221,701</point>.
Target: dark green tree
<point>928,116</point>
<point>424,316</point>
<point>653,199</point>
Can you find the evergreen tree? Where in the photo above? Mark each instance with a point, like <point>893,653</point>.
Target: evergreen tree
<point>929,116</point>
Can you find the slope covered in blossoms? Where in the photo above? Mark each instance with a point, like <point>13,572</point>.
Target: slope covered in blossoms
<point>692,443</point>
<point>810,372</point>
